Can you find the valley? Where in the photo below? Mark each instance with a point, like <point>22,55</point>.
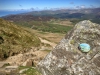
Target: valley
<point>18,49</point>
<point>25,39</point>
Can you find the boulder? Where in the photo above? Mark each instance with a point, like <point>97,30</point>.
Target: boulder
<point>28,62</point>
<point>67,59</point>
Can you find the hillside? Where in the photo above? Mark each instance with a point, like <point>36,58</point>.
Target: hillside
<point>28,17</point>
<point>24,47</point>
<point>14,39</point>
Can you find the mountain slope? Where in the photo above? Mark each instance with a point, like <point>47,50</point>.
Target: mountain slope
<point>14,39</point>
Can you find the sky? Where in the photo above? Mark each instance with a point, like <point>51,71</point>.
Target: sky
<point>47,4</point>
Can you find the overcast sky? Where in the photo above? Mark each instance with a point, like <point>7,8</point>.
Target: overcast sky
<point>47,4</point>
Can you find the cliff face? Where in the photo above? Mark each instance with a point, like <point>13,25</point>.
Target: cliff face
<point>67,59</point>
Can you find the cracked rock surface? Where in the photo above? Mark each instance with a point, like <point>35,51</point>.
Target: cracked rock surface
<point>67,59</point>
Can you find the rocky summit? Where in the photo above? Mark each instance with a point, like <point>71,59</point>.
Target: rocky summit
<point>68,59</point>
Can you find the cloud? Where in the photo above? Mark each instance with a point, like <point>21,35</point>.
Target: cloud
<point>37,8</point>
<point>32,8</point>
<point>82,6</point>
<point>92,6</point>
<point>78,7</point>
<point>71,2</point>
<point>45,8</point>
<point>20,5</point>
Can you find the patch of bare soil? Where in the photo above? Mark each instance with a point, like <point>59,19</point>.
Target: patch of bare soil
<point>20,59</point>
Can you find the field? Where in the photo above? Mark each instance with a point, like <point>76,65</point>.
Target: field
<point>52,26</point>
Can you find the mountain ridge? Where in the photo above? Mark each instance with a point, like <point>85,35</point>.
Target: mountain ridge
<point>47,15</point>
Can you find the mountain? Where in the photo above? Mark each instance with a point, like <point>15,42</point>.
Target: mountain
<point>15,39</point>
<point>92,14</point>
<point>68,58</point>
<point>59,11</point>
<point>27,18</point>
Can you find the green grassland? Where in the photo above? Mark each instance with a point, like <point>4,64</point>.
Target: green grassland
<point>15,39</point>
<point>29,71</point>
<point>46,26</point>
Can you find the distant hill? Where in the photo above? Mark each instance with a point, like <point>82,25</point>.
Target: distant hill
<point>28,17</point>
<point>59,11</point>
<point>41,23</point>
<point>92,14</point>
<point>15,39</point>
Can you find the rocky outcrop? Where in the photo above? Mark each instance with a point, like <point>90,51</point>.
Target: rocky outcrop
<point>28,62</point>
<point>67,59</point>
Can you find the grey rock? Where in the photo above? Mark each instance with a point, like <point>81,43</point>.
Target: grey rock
<point>67,59</point>
<point>28,62</point>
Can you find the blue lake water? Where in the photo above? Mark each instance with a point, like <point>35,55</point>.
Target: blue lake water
<point>5,13</point>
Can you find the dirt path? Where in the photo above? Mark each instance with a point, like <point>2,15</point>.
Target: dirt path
<point>20,58</point>
<point>47,42</point>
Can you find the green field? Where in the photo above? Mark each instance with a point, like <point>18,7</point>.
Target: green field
<point>46,26</point>
<point>29,71</point>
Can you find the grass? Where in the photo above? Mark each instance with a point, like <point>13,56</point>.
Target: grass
<point>29,71</point>
<point>75,21</point>
<point>6,64</point>
<point>46,26</point>
<point>16,39</point>
<point>47,51</point>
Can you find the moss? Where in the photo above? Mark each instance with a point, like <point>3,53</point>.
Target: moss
<point>72,42</point>
<point>29,71</point>
<point>47,50</point>
<point>90,52</point>
<point>75,51</point>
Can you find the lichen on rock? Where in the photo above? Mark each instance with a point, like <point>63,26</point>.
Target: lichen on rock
<point>67,59</point>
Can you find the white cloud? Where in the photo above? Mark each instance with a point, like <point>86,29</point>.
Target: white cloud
<point>82,6</point>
